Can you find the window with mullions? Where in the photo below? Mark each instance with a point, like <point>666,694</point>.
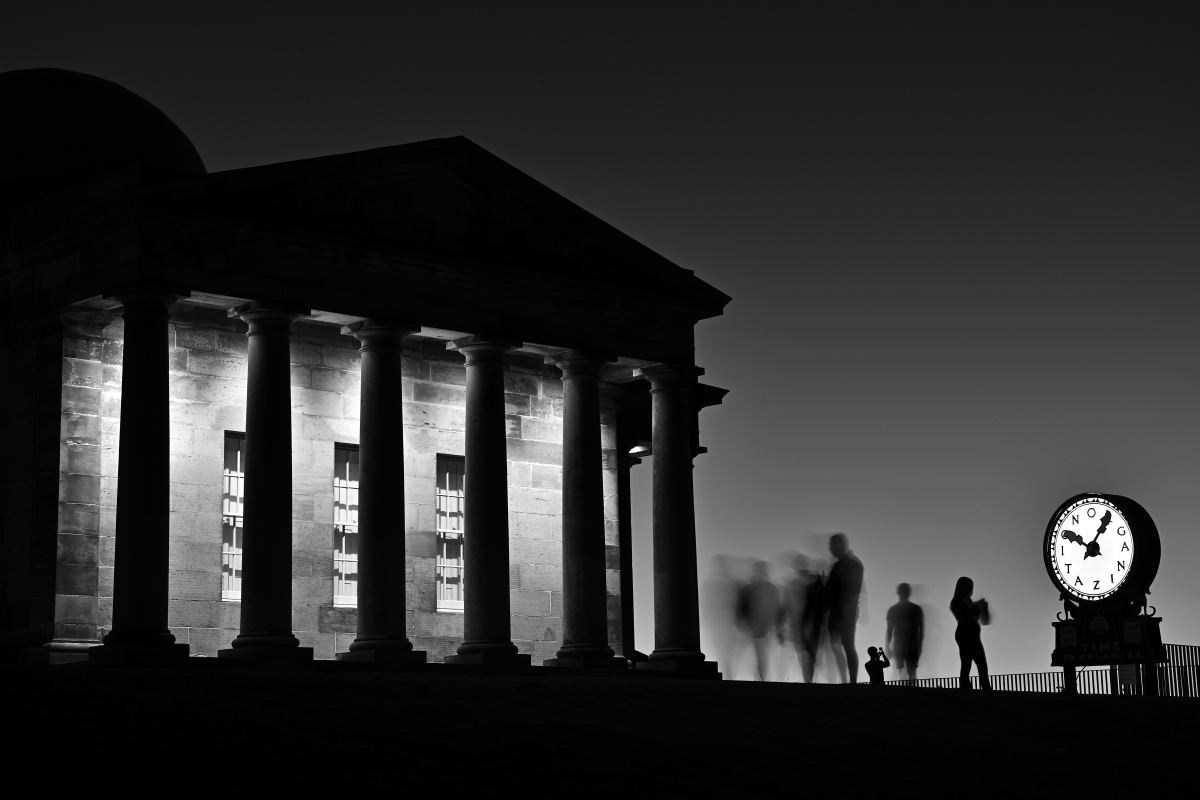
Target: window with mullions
<point>345,525</point>
<point>451,482</point>
<point>233,494</point>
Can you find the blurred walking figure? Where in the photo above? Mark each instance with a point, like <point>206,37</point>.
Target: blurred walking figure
<point>720,594</point>
<point>970,613</point>
<point>905,632</point>
<point>804,610</point>
<point>875,667</point>
<point>758,614</point>
<point>841,592</point>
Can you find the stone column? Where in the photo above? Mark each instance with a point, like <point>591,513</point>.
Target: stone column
<point>626,441</point>
<point>381,581</point>
<point>140,576</point>
<point>585,606</point>
<point>487,637</point>
<point>266,630</point>
<point>676,601</point>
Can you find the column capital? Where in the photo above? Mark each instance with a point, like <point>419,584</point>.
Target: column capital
<point>668,370</point>
<point>257,310</point>
<point>373,333</point>
<point>580,363</point>
<point>482,347</point>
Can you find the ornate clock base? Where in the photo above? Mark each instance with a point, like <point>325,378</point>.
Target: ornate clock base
<point>1095,636</point>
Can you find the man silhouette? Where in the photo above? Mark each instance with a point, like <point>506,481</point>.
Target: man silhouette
<point>842,591</point>
<point>758,613</point>
<point>875,666</point>
<point>905,632</point>
<point>804,607</point>
<point>719,596</point>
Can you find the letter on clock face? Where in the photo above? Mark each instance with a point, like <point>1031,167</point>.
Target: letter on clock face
<point>1124,546</point>
<point>1120,566</point>
<point>1078,582</point>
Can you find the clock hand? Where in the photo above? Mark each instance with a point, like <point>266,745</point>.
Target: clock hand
<point>1107,518</point>
<point>1093,547</point>
<point>1072,536</point>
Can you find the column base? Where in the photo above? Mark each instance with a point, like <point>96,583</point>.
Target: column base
<point>268,653</point>
<point>383,656</point>
<point>682,667</point>
<point>56,652</point>
<point>587,662</point>
<point>492,659</point>
<point>138,653</point>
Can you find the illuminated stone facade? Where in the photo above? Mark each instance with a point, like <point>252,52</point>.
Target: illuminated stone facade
<point>503,324</point>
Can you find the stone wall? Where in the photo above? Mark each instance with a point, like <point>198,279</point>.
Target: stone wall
<point>208,385</point>
<point>49,489</point>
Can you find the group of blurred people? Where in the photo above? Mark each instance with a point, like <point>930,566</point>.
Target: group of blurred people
<point>816,612</point>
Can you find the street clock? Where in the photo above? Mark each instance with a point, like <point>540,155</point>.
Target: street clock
<point>1101,547</point>
<point>1102,552</point>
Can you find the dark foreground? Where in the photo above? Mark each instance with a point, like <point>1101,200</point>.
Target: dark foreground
<point>209,731</point>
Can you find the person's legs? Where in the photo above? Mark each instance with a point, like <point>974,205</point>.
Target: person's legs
<point>981,665</point>
<point>848,644</point>
<point>965,653</point>
<point>806,655</point>
<point>737,651</point>
<point>839,653</point>
<point>762,652</point>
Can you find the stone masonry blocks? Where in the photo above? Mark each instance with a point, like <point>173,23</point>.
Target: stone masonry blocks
<point>208,373</point>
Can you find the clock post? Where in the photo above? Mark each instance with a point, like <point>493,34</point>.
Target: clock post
<point>1102,553</point>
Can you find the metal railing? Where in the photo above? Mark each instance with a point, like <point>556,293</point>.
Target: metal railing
<point>1180,677</point>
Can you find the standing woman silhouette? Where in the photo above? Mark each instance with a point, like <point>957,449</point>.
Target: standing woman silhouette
<point>970,614</point>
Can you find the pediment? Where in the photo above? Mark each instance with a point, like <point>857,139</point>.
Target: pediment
<point>444,198</point>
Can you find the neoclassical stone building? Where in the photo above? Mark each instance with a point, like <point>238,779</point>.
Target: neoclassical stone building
<point>340,406</point>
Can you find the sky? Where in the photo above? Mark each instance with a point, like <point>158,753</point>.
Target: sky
<point>962,250</point>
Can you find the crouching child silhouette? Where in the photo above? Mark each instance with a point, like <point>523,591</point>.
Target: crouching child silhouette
<point>878,663</point>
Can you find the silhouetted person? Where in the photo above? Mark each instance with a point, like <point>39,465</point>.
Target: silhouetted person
<point>970,614</point>
<point>758,613</point>
<point>816,605</point>
<point>905,632</point>
<point>720,594</point>
<point>804,609</point>
<point>842,591</point>
<point>875,667</point>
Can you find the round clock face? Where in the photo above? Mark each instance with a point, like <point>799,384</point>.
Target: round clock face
<point>1090,548</point>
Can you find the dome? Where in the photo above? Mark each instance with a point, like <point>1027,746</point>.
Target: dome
<point>64,128</point>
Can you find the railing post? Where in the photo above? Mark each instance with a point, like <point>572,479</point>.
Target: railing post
<point>1069,684</point>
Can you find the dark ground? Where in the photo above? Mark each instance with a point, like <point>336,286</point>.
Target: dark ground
<point>207,730</point>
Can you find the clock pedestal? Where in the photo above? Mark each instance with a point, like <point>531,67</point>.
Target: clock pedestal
<point>1095,636</point>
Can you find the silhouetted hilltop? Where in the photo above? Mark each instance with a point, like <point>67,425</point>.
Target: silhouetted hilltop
<point>324,732</point>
